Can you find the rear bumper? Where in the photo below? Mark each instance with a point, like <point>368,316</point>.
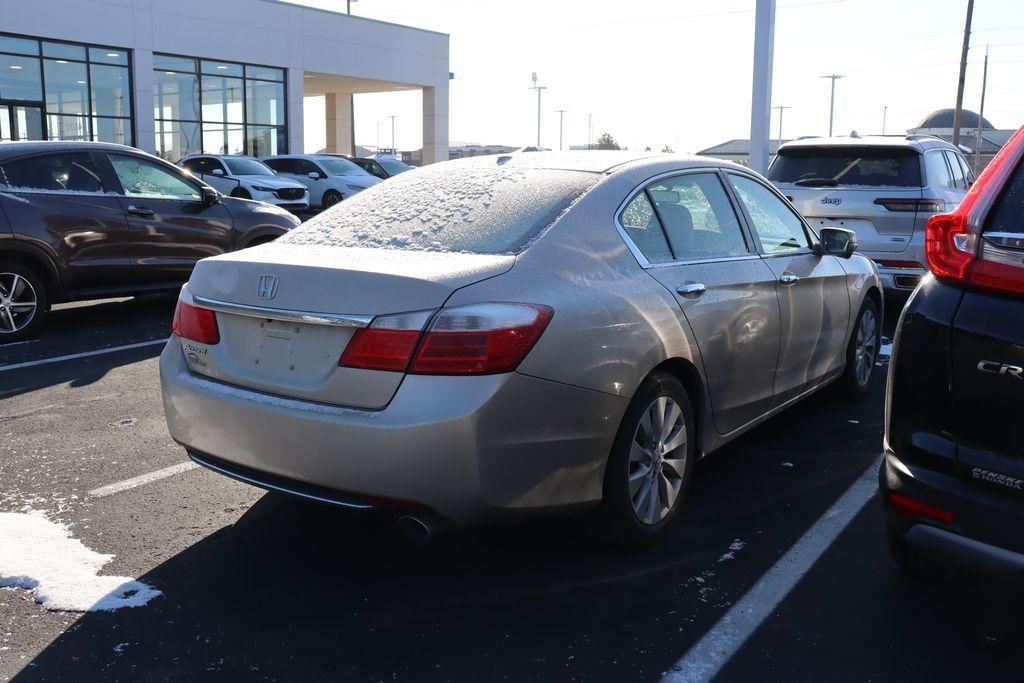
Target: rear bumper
<point>984,534</point>
<point>472,449</point>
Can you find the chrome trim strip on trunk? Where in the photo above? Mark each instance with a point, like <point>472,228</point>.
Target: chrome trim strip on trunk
<point>311,317</point>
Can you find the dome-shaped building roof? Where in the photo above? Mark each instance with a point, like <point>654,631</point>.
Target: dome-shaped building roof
<point>943,118</point>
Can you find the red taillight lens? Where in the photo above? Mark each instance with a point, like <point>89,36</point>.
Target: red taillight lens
<point>387,344</point>
<point>480,339</point>
<point>196,324</point>
<point>905,204</point>
<point>908,507</point>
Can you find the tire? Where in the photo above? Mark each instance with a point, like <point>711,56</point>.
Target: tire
<point>862,350</point>
<point>20,286</point>
<point>241,193</point>
<point>626,515</point>
<point>330,198</point>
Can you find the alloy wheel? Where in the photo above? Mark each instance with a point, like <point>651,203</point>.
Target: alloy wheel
<point>657,460</point>
<point>18,303</point>
<point>867,347</point>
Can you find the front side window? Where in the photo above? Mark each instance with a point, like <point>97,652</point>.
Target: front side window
<point>698,216</point>
<point>67,172</point>
<point>641,224</point>
<point>143,178</point>
<point>778,228</point>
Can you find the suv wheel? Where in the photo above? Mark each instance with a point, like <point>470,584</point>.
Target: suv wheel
<point>330,198</point>
<point>651,463</point>
<point>23,301</point>
<point>862,350</point>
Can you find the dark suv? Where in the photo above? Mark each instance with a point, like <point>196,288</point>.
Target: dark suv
<point>953,476</point>
<point>81,220</point>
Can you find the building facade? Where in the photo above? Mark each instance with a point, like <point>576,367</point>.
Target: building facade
<point>176,77</point>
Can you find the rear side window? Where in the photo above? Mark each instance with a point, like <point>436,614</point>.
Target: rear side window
<point>842,166</point>
<point>937,170</point>
<point>698,216</point>
<point>282,165</point>
<point>1007,215</point>
<point>474,206</point>
<point>642,226</point>
<point>958,173</point>
<point>69,172</point>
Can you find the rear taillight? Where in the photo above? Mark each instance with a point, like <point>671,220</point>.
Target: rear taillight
<point>196,324</point>
<point>909,204</point>
<point>907,507</point>
<point>480,339</point>
<point>387,344</point>
<point>953,240</point>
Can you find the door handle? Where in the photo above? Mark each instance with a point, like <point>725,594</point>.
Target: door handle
<point>789,279</point>
<point>691,290</point>
<point>139,210</point>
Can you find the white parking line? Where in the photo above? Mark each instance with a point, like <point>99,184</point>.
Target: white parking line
<point>716,647</point>
<point>143,479</point>
<point>84,354</point>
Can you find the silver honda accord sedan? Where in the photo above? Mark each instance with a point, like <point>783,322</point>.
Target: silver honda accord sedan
<point>513,336</point>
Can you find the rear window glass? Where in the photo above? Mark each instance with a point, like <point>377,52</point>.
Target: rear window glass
<point>476,207</point>
<point>1008,213</point>
<point>840,166</point>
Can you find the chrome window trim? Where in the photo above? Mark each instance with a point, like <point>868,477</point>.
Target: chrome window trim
<point>287,315</point>
<point>635,250</point>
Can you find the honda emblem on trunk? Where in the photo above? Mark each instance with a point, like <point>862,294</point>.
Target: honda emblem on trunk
<point>267,287</point>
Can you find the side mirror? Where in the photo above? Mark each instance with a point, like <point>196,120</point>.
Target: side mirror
<point>838,242</point>
<point>314,175</point>
<point>217,171</point>
<point>210,196</point>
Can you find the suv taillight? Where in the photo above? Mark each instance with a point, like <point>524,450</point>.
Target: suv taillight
<point>196,324</point>
<point>902,205</point>
<point>954,242</point>
<point>476,339</point>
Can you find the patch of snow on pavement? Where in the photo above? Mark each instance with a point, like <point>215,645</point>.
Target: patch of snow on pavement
<point>885,350</point>
<point>733,547</point>
<point>41,556</point>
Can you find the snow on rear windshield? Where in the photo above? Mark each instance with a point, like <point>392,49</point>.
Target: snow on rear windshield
<point>478,207</point>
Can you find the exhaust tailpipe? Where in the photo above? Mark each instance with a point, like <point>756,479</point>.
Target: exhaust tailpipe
<point>421,527</point>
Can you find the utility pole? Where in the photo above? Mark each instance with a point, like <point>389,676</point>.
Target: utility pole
<point>393,148</point>
<point>958,112</point>
<point>885,115</point>
<point>348,5</point>
<point>981,114</point>
<point>538,88</point>
<point>832,102</point>
<point>590,131</point>
<point>781,109</point>
<point>561,114</point>
<point>761,92</point>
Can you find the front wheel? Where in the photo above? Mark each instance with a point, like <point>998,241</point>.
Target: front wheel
<point>651,463</point>
<point>23,301</point>
<point>862,350</point>
<point>330,198</point>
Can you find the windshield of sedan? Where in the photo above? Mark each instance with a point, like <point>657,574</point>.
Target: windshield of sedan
<point>839,166</point>
<point>478,208</point>
<point>247,167</point>
<point>339,166</point>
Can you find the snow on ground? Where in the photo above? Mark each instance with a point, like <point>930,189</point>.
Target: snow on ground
<point>885,350</point>
<point>41,556</point>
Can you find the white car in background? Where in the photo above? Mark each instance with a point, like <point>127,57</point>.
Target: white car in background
<point>247,178</point>
<point>330,179</point>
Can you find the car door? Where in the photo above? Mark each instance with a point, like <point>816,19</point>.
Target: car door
<point>170,225</point>
<point>813,294</point>
<point>61,200</point>
<point>686,228</point>
<point>299,170</point>
<point>206,169</point>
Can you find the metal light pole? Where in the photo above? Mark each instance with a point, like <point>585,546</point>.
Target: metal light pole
<point>832,102</point>
<point>963,74</point>
<point>590,131</point>
<point>761,95</point>
<point>393,117</point>
<point>781,109</point>
<point>538,88</point>
<point>561,115</point>
<point>885,115</point>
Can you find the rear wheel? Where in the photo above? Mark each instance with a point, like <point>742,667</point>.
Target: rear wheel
<point>651,464</point>
<point>23,301</point>
<point>862,350</point>
<point>330,198</point>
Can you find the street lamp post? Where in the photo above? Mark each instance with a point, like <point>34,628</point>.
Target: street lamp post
<point>561,118</point>
<point>761,93</point>
<point>538,88</point>
<point>393,117</point>
<point>832,101</point>
<point>781,109</point>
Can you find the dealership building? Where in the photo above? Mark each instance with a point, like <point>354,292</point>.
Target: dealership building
<point>175,77</point>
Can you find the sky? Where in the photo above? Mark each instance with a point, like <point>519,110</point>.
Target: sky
<point>678,72</point>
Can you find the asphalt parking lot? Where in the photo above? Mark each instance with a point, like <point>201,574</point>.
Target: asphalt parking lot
<point>256,586</point>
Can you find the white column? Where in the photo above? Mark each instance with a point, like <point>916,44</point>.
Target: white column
<point>142,95</point>
<point>338,111</point>
<point>435,124</point>
<point>761,97</point>
<point>296,91</point>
